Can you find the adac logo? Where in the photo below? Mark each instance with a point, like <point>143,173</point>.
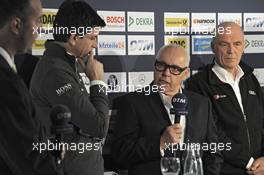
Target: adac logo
<point>180,41</point>
<point>48,18</point>
<point>140,21</point>
<point>141,45</point>
<point>176,22</point>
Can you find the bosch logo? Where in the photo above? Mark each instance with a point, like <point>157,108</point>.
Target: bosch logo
<point>115,19</point>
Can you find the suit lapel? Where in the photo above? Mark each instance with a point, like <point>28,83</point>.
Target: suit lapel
<point>4,64</point>
<point>157,107</point>
<point>189,122</point>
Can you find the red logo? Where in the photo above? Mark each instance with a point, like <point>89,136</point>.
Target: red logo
<point>115,19</point>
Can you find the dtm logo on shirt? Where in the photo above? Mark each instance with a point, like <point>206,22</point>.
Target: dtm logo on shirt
<point>65,88</point>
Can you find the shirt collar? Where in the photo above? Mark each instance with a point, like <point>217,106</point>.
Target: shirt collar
<point>7,57</point>
<point>226,76</point>
<point>166,99</point>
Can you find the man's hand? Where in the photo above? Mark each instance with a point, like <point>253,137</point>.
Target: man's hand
<point>257,168</point>
<point>94,68</point>
<point>172,134</point>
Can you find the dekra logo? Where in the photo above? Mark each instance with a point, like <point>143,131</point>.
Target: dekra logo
<point>140,21</point>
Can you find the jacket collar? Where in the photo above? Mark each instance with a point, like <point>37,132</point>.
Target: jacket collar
<point>57,51</point>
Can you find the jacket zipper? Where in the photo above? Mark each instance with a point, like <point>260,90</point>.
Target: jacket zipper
<point>245,120</point>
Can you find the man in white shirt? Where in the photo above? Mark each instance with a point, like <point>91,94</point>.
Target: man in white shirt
<point>237,101</point>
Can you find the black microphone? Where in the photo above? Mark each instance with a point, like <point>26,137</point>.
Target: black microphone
<point>60,117</point>
<point>179,106</point>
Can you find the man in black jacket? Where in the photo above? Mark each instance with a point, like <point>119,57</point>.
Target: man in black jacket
<point>19,127</point>
<point>237,101</point>
<point>145,127</point>
<point>62,77</point>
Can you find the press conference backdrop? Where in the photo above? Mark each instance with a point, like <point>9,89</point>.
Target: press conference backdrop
<point>137,29</point>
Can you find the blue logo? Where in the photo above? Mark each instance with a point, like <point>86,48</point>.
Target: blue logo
<point>202,45</point>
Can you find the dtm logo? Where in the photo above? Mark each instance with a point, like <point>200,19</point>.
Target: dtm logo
<point>141,45</point>
<point>179,100</point>
<point>255,22</point>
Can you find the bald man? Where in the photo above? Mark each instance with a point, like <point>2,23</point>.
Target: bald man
<point>145,126</point>
<point>237,101</point>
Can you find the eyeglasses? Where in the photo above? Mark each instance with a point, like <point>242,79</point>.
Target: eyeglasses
<point>175,70</point>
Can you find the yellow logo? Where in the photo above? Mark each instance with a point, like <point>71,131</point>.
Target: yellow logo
<point>48,17</point>
<point>176,22</point>
<point>39,44</point>
<point>179,41</point>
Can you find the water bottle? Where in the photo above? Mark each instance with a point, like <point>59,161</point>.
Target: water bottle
<point>190,164</point>
<point>199,162</point>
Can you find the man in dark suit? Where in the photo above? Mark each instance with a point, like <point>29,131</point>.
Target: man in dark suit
<point>19,127</point>
<point>144,125</point>
<point>25,64</point>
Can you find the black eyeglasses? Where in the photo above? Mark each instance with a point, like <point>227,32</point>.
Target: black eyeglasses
<point>174,69</point>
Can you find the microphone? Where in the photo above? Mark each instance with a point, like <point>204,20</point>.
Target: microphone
<point>60,117</point>
<point>179,106</point>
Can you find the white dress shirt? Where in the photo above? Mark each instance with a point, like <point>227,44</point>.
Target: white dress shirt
<point>167,104</point>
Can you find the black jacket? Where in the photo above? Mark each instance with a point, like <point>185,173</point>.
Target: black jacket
<point>57,80</point>
<point>141,120</point>
<point>19,128</point>
<point>244,131</point>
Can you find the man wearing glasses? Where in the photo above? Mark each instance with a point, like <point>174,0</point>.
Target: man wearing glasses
<point>145,127</point>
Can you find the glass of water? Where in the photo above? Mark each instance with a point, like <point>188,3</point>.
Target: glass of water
<point>170,165</point>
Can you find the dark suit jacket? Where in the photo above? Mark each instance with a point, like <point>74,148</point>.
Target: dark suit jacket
<point>19,128</point>
<point>140,123</point>
<point>25,65</point>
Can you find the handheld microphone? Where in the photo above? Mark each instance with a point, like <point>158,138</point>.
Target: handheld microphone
<point>179,106</point>
<point>60,117</point>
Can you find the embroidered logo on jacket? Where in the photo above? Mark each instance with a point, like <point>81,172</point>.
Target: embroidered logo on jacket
<point>65,88</point>
<point>218,96</point>
<point>252,92</point>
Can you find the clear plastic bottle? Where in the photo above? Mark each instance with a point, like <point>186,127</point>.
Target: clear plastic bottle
<point>190,163</point>
<point>199,162</point>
